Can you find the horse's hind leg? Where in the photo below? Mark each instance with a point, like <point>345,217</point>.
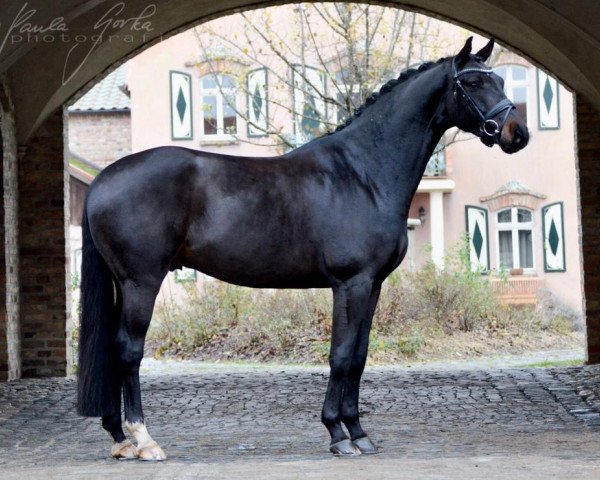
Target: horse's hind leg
<point>138,303</point>
<point>122,448</point>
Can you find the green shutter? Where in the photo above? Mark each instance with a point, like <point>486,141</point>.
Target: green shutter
<point>257,98</point>
<point>478,236</point>
<point>553,233</point>
<point>547,101</point>
<point>181,106</point>
<point>310,110</point>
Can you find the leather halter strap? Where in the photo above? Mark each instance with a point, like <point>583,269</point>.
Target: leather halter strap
<point>489,128</point>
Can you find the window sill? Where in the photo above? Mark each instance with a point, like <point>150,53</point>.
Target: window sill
<point>219,140</point>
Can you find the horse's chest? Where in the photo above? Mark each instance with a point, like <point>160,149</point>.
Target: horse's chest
<point>395,251</point>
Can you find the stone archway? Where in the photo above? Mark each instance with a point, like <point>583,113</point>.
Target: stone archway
<point>41,73</point>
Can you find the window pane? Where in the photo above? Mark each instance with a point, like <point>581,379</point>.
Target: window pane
<point>519,95</point>
<point>229,116</point>
<point>523,215</point>
<point>209,81</point>
<point>525,249</point>
<point>501,71</point>
<point>504,216</point>
<point>519,73</point>
<point>506,249</point>
<point>210,114</point>
<point>227,82</point>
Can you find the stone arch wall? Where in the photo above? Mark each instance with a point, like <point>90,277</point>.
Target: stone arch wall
<point>41,77</point>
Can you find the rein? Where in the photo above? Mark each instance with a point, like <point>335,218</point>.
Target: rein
<point>489,129</point>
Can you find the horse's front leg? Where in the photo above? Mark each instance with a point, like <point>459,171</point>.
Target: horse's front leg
<point>138,303</point>
<point>350,308</point>
<point>350,414</point>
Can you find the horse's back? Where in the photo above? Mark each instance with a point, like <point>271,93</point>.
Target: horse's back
<point>291,221</point>
<point>226,216</point>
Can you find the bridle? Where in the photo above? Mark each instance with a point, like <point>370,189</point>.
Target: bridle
<point>489,129</point>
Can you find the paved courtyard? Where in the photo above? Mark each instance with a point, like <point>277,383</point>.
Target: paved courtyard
<point>240,422</point>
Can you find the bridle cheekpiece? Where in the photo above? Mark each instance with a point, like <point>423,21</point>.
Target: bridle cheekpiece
<point>489,129</point>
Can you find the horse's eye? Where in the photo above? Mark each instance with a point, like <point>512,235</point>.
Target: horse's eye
<point>474,84</point>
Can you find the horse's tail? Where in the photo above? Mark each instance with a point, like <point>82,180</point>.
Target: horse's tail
<point>98,389</point>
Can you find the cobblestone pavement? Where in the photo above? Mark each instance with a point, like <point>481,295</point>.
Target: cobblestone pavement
<point>248,423</point>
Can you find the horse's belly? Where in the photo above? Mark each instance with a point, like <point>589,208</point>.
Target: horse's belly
<point>261,269</point>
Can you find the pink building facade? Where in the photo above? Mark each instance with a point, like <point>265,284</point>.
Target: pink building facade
<point>520,211</point>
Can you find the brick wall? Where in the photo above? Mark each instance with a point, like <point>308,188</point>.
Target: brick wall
<point>10,332</point>
<point>43,257</point>
<point>6,119</point>
<point>588,145</point>
<point>100,138</point>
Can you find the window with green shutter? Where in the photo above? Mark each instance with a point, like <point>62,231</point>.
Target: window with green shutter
<point>478,236</point>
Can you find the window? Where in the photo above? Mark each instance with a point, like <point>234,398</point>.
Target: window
<point>515,238</point>
<point>219,118</point>
<point>516,83</point>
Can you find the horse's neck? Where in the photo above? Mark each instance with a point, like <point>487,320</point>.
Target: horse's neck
<point>399,134</point>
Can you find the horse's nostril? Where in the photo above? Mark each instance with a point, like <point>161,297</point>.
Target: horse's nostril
<point>520,135</point>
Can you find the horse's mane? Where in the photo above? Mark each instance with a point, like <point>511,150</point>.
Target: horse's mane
<point>387,87</point>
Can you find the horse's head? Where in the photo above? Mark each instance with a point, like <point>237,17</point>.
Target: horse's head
<point>477,103</point>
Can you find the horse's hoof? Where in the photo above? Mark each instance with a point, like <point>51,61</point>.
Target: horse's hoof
<point>124,450</point>
<point>365,445</point>
<point>344,447</point>
<point>151,452</point>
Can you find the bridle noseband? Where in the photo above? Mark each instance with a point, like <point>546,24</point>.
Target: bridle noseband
<point>489,129</point>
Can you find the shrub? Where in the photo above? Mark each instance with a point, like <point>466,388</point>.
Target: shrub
<point>455,297</point>
<point>555,315</point>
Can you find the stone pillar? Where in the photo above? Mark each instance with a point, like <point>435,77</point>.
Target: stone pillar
<point>43,255</point>
<point>10,331</point>
<point>588,151</point>
<point>436,225</point>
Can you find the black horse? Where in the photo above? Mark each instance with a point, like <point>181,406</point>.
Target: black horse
<point>330,214</point>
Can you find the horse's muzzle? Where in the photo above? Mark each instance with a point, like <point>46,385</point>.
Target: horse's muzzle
<point>514,137</point>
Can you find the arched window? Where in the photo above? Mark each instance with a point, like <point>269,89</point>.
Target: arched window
<point>516,85</point>
<point>219,118</point>
<point>515,238</point>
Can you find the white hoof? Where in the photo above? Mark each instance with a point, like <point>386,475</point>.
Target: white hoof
<point>124,450</point>
<point>151,452</point>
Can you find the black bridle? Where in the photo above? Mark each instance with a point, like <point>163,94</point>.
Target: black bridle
<point>489,129</point>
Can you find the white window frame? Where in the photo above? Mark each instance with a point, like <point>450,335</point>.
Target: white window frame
<point>514,226</point>
<point>510,84</point>
<point>220,100</point>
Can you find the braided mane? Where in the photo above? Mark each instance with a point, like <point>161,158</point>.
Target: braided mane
<point>387,87</point>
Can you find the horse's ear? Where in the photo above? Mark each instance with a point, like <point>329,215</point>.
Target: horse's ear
<point>486,51</point>
<point>463,56</point>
